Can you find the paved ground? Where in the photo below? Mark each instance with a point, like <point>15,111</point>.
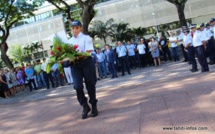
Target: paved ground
<point>147,102</point>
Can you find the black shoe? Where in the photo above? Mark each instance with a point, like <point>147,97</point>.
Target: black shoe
<point>94,112</point>
<point>194,70</point>
<point>123,74</point>
<point>116,76</point>
<point>112,77</point>
<point>86,110</point>
<point>129,73</point>
<point>211,63</point>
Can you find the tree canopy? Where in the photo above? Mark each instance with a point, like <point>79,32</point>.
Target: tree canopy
<point>11,11</point>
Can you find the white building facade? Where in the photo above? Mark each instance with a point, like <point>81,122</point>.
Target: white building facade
<point>138,13</point>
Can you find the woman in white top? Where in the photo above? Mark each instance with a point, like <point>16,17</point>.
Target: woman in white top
<point>141,48</point>
<point>155,51</point>
<point>174,46</point>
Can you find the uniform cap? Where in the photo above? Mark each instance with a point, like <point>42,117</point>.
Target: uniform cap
<point>207,24</point>
<point>192,26</point>
<point>186,30</point>
<point>76,23</point>
<point>202,25</point>
<point>212,20</point>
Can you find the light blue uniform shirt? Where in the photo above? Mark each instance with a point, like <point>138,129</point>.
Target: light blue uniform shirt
<point>121,51</point>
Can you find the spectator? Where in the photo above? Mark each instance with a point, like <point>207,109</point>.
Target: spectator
<point>111,60</point>
<point>30,76</point>
<point>141,48</point>
<point>14,80</point>
<point>39,74</point>
<point>68,71</point>
<point>131,55</point>
<point>9,82</point>
<point>121,51</point>
<point>56,74</point>
<point>96,65</point>
<point>20,79</point>
<point>23,71</point>
<point>174,46</point>
<point>101,63</point>
<point>155,51</point>
<point>47,76</point>
<point>165,49</point>
<point>3,82</point>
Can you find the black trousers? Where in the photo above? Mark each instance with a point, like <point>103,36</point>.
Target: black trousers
<point>47,77</point>
<point>132,61</point>
<point>200,53</point>
<point>124,63</point>
<point>143,60</point>
<point>191,54</point>
<point>166,51</point>
<point>85,69</point>
<point>32,81</point>
<point>211,50</point>
<point>184,53</point>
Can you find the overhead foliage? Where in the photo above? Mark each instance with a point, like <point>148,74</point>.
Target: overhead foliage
<point>12,11</point>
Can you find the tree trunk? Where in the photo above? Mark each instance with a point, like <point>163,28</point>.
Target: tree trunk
<point>104,38</point>
<point>86,16</point>
<point>4,56</point>
<point>181,15</point>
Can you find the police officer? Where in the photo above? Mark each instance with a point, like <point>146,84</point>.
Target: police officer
<point>84,68</point>
<point>180,40</point>
<point>200,46</point>
<point>188,47</point>
<point>210,49</point>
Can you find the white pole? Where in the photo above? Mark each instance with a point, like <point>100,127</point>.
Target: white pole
<point>155,22</point>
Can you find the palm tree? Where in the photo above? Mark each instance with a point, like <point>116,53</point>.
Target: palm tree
<point>28,51</point>
<point>123,32</point>
<point>36,46</point>
<point>102,29</point>
<point>16,53</point>
<point>140,31</point>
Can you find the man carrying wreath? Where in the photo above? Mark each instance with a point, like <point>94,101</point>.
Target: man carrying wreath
<point>84,67</point>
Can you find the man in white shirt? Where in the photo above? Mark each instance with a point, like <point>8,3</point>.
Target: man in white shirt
<point>84,68</point>
<point>199,45</point>
<point>174,46</point>
<point>47,76</point>
<point>121,51</point>
<point>180,40</point>
<point>187,42</point>
<point>131,54</point>
<point>101,63</point>
<point>141,48</point>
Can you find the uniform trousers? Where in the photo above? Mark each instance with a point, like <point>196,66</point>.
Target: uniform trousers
<point>211,50</point>
<point>184,53</point>
<point>124,64</point>
<point>85,68</point>
<point>200,53</point>
<point>191,54</point>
